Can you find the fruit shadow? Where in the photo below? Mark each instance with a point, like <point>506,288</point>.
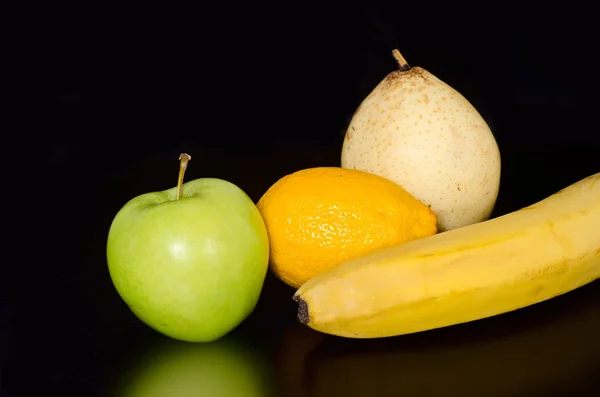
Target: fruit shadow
<point>544,349</point>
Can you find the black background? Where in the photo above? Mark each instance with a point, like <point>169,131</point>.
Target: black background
<point>107,98</point>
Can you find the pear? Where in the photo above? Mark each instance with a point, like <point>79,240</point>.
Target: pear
<point>421,133</point>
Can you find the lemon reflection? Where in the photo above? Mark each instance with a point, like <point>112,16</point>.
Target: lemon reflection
<point>225,368</point>
<point>295,346</point>
<point>554,349</point>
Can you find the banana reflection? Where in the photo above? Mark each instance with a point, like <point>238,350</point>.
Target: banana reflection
<point>559,356</point>
<point>225,368</point>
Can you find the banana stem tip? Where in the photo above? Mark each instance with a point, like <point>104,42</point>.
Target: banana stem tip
<point>302,310</point>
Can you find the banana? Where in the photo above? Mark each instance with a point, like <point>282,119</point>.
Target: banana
<point>477,271</point>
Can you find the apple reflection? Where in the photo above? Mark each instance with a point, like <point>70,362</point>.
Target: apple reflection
<point>224,368</point>
<point>550,349</point>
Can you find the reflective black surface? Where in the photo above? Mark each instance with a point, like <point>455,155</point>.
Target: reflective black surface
<point>108,108</point>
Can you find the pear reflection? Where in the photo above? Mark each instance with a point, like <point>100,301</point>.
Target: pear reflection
<point>557,351</point>
<point>224,368</point>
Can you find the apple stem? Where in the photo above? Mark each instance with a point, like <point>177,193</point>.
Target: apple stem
<point>402,64</point>
<point>184,158</point>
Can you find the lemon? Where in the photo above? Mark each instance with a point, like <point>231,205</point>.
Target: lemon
<point>319,217</point>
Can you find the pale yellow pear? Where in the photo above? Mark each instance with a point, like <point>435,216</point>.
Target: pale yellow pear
<point>421,133</point>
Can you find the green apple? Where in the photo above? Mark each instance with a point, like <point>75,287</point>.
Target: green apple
<point>190,261</point>
<point>224,368</point>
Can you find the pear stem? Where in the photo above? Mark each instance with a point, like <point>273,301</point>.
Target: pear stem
<point>184,158</point>
<point>402,64</point>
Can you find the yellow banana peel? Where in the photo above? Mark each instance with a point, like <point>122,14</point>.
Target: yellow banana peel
<point>477,271</point>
